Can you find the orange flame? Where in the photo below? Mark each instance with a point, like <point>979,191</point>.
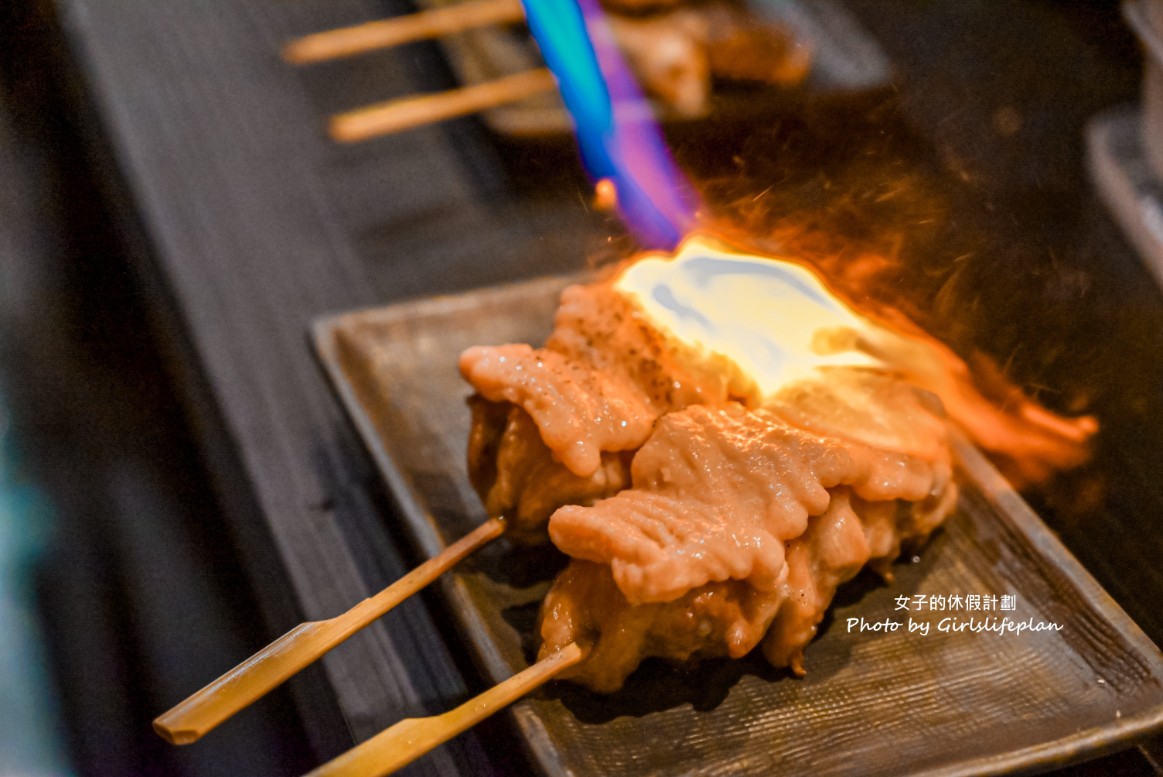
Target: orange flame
<point>775,321</point>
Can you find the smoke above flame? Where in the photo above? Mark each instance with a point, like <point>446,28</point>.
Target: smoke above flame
<point>774,319</point>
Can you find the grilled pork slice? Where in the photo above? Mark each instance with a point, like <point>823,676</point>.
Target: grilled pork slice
<point>740,48</point>
<point>740,524</point>
<point>718,491</point>
<point>586,607</point>
<point>669,54</point>
<point>556,425</point>
<point>517,476</point>
<point>578,411</point>
<point>676,49</point>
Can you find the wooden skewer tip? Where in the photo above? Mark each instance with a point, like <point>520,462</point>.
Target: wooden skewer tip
<point>417,110</point>
<point>399,745</point>
<point>271,666</point>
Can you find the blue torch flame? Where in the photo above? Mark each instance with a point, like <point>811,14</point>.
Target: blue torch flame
<point>616,132</point>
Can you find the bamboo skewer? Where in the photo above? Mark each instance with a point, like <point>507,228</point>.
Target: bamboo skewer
<point>270,667</point>
<point>409,112</point>
<point>411,738</point>
<point>385,33</point>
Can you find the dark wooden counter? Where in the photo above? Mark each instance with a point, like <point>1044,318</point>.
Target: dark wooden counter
<point>250,224</point>
<point>247,224</point>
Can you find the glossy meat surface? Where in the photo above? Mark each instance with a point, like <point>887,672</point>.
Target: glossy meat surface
<point>739,526</point>
<point>708,516</point>
<point>718,491</point>
<point>555,425</point>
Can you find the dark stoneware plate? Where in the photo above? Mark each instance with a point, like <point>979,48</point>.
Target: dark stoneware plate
<point>874,702</point>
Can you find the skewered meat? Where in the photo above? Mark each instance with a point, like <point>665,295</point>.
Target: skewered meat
<point>716,493</point>
<point>740,524</point>
<point>607,374</point>
<point>719,443</point>
<point>678,49</point>
<point>670,57</point>
<point>741,50</point>
<point>516,474</point>
<point>586,607</point>
<point>551,425</point>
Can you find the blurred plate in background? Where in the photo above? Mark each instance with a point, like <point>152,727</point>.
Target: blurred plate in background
<point>846,63</point>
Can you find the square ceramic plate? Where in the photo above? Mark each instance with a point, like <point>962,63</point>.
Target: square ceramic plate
<point>874,702</point>
<point>847,62</point>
